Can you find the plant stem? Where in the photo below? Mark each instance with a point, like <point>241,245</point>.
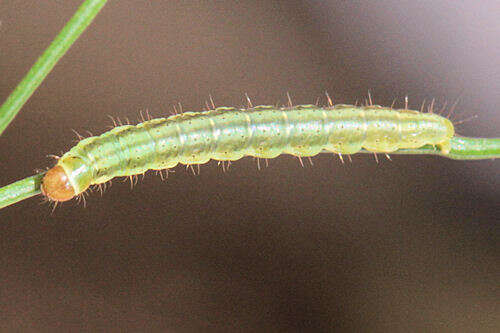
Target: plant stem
<point>461,149</point>
<point>42,67</point>
<point>20,190</point>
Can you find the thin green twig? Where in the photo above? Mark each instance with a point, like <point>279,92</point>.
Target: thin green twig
<point>42,67</point>
<point>461,149</point>
<point>20,190</point>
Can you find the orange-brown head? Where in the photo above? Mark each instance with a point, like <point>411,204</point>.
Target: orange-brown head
<point>56,185</point>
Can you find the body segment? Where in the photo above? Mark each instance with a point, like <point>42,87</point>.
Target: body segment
<point>228,134</point>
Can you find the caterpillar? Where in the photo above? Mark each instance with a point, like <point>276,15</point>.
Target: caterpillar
<point>228,134</point>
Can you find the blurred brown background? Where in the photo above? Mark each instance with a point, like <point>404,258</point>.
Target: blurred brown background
<point>408,245</point>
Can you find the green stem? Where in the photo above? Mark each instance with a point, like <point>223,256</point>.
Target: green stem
<point>461,149</point>
<point>42,67</point>
<point>20,190</point>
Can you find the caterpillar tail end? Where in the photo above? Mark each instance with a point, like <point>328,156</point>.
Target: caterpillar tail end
<point>56,185</point>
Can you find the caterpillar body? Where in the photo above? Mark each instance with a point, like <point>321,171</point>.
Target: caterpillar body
<point>228,134</point>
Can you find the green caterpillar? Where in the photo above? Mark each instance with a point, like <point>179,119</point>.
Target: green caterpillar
<point>228,134</point>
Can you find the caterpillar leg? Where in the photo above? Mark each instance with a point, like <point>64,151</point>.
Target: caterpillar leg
<point>445,147</point>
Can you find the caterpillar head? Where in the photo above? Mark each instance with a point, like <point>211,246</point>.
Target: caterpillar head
<point>56,185</point>
<point>68,178</point>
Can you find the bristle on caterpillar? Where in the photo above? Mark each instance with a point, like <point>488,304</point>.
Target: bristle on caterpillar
<point>228,134</point>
